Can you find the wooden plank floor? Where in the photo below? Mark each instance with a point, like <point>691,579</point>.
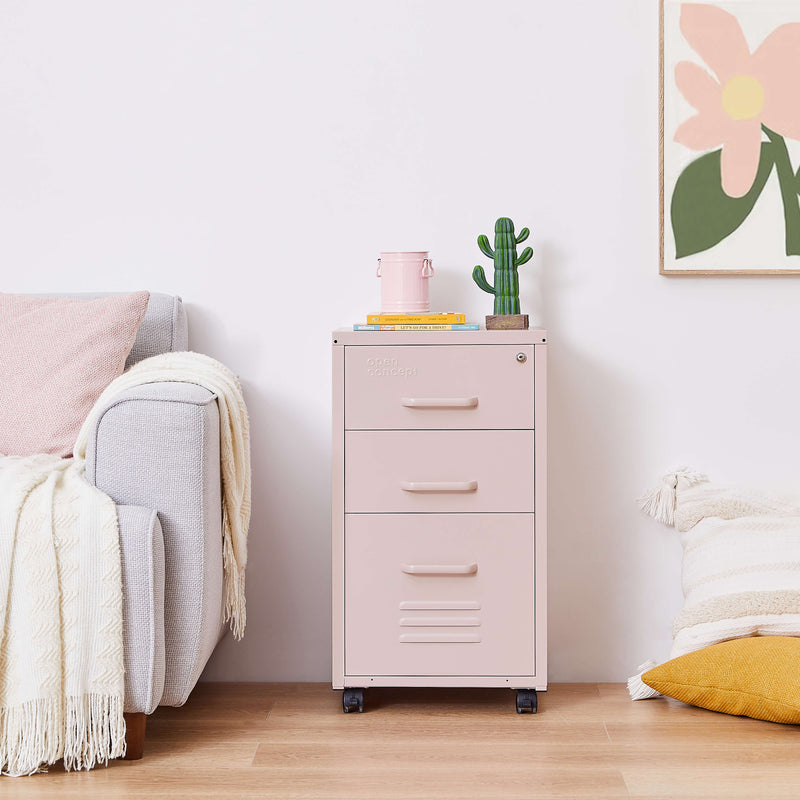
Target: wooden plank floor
<point>258,741</point>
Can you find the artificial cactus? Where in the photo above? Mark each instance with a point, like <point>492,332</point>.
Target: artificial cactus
<point>506,261</point>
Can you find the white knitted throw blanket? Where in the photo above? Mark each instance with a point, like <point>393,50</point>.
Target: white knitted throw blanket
<point>61,652</point>
<point>61,659</point>
<point>205,371</point>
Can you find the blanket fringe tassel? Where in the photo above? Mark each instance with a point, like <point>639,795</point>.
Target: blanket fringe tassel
<point>659,503</point>
<point>637,688</point>
<point>235,606</point>
<point>87,731</point>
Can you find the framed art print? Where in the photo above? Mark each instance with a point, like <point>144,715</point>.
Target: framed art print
<point>730,137</point>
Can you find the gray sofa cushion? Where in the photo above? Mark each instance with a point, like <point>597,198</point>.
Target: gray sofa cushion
<point>142,549</point>
<point>163,329</point>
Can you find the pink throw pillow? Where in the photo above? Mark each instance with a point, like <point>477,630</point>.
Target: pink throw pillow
<point>56,357</point>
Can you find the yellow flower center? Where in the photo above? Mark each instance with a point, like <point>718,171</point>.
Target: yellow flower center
<point>743,97</point>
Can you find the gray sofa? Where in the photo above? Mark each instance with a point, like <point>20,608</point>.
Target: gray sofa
<point>155,451</point>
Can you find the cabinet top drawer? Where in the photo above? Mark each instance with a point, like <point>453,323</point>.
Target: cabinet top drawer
<point>430,387</point>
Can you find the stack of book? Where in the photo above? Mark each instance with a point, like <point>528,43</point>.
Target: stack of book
<point>429,321</point>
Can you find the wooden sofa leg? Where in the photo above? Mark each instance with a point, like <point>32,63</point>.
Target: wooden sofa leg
<point>134,735</point>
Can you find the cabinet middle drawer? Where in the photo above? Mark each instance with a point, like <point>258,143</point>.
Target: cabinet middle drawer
<point>438,471</point>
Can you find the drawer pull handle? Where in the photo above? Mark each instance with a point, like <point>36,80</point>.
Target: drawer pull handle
<point>440,569</point>
<point>439,486</point>
<point>439,402</point>
<point>440,605</point>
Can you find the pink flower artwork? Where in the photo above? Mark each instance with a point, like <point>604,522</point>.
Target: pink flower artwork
<point>747,104</point>
<point>748,91</point>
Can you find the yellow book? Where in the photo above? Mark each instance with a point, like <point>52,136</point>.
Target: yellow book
<point>435,318</point>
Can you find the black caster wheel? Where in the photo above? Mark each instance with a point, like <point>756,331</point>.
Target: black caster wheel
<point>352,700</point>
<point>526,701</point>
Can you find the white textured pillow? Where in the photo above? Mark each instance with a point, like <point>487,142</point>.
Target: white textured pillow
<point>741,560</point>
<point>56,357</point>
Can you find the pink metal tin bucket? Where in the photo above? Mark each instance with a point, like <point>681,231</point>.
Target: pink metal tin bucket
<point>404,281</point>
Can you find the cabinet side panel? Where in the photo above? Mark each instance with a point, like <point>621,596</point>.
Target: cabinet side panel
<point>540,518</point>
<point>337,516</point>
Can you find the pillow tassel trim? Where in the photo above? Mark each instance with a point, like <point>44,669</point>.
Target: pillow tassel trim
<point>659,502</point>
<point>637,688</point>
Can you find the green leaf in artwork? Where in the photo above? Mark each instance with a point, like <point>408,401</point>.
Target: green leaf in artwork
<point>702,214</point>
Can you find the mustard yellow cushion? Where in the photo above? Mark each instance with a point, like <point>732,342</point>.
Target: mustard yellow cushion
<point>756,677</point>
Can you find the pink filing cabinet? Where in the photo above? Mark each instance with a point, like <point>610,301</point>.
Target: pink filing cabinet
<point>439,511</point>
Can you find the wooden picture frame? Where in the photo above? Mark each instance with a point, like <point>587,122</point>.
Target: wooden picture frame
<point>729,137</point>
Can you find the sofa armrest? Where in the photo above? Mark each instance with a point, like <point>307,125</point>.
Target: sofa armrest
<point>157,446</point>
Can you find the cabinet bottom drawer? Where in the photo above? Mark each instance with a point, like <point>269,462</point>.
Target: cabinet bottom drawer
<point>439,594</point>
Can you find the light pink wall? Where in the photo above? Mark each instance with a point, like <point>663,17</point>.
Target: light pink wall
<point>256,157</point>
